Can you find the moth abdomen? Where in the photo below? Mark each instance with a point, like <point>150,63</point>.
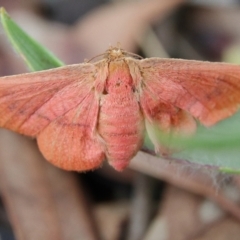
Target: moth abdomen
<point>121,126</point>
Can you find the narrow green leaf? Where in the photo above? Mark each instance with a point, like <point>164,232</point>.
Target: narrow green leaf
<point>36,56</point>
<point>229,170</point>
<point>215,146</point>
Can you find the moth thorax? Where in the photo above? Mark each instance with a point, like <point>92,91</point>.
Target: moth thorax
<point>119,77</point>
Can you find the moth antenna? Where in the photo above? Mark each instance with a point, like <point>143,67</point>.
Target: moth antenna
<point>121,53</point>
<point>119,45</point>
<point>91,59</point>
<point>132,54</point>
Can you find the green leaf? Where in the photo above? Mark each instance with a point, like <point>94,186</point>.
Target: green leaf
<point>229,170</point>
<point>217,146</point>
<point>36,56</point>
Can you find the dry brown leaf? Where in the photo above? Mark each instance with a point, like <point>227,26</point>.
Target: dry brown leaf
<point>178,217</point>
<point>23,4</point>
<point>73,206</point>
<point>142,206</point>
<point>191,177</point>
<point>42,202</point>
<point>25,190</point>
<point>226,229</point>
<point>110,218</point>
<point>54,36</point>
<point>122,22</point>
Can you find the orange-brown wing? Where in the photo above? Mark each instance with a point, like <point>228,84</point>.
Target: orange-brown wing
<point>208,91</point>
<point>60,108</point>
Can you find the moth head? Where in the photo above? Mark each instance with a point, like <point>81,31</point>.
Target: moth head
<point>115,53</point>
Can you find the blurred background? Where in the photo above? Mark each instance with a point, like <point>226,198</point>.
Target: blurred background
<point>153,199</point>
